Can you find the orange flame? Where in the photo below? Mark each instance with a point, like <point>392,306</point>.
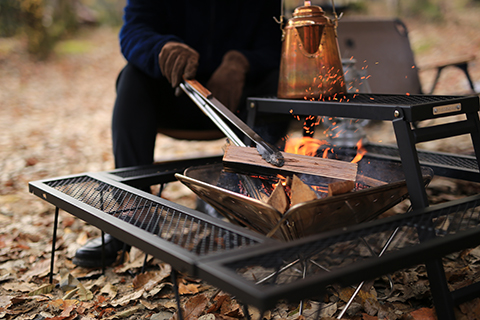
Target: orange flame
<point>310,146</point>
<point>305,145</point>
<point>361,151</point>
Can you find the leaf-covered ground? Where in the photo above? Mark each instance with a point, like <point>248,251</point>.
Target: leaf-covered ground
<point>55,121</point>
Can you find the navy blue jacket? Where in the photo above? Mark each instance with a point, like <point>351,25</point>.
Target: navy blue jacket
<point>212,27</point>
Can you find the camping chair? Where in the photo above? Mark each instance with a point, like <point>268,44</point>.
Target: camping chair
<point>383,47</point>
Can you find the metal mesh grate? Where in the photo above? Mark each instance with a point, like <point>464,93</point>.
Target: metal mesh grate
<point>428,157</point>
<point>283,266</point>
<point>175,226</point>
<point>406,100</point>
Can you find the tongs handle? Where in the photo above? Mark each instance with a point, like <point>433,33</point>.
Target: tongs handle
<point>268,152</point>
<point>204,92</point>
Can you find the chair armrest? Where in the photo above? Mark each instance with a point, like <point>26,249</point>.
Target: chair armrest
<point>460,62</point>
<point>450,62</point>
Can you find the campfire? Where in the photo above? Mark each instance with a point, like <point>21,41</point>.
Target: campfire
<point>328,194</point>
<point>291,190</point>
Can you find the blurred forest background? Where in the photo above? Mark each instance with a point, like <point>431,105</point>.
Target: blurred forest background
<point>43,23</point>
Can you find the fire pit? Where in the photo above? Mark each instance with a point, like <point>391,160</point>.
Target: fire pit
<point>239,248</point>
<point>380,185</point>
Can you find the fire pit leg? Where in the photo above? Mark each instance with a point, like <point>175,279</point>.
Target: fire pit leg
<point>173,275</point>
<point>144,263</point>
<point>475,136</point>
<point>246,312</point>
<point>304,274</point>
<point>54,243</point>
<point>442,297</point>
<point>103,253</point>
<point>410,163</point>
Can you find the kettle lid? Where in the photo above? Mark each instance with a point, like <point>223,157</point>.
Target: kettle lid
<point>308,10</point>
<point>308,14</point>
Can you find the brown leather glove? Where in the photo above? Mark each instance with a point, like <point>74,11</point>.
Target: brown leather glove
<point>226,83</point>
<point>178,60</point>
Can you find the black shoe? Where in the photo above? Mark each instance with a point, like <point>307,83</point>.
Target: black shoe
<point>90,255</point>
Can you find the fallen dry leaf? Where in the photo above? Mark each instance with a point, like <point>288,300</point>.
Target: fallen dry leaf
<point>60,304</point>
<point>189,288</point>
<point>371,306</point>
<point>47,288</point>
<point>70,294</point>
<point>66,312</point>
<point>231,308</point>
<point>126,299</point>
<point>148,305</point>
<point>5,301</point>
<point>84,294</point>
<point>136,264</point>
<point>19,286</point>
<point>126,313</point>
<point>67,281</point>
<point>149,279</point>
<point>424,314</point>
<point>193,308</point>
<point>40,269</point>
<point>110,290</point>
<point>218,301</point>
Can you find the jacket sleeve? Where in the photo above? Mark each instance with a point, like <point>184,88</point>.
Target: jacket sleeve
<point>141,38</point>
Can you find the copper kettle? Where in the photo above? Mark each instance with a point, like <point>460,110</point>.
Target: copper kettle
<point>311,67</point>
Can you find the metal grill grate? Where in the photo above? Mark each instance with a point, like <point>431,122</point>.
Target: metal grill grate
<point>304,268</point>
<point>405,100</point>
<point>429,157</point>
<point>385,107</point>
<point>444,164</point>
<point>175,226</point>
<point>349,248</point>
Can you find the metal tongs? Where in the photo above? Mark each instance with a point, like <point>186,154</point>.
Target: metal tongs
<point>216,111</point>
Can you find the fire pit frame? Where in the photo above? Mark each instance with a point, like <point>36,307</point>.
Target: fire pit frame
<point>216,268</point>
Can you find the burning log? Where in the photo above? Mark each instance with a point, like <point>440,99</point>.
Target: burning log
<point>301,192</point>
<point>248,160</point>
<point>340,187</point>
<point>279,199</point>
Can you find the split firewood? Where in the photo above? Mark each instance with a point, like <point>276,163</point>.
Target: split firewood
<point>279,199</point>
<point>371,182</point>
<point>246,159</point>
<point>340,187</point>
<point>300,192</point>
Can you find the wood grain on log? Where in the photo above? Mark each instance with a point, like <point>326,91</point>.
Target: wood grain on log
<point>247,159</point>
